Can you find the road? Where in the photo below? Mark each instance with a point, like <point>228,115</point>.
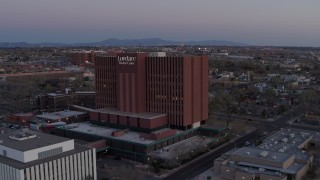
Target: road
<point>205,161</point>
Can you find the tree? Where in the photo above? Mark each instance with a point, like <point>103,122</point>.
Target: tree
<point>275,82</point>
<point>308,99</point>
<point>225,102</point>
<point>282,108</point>
<point>238,95</point>
<point>48,88</point>
<point>270,95</point>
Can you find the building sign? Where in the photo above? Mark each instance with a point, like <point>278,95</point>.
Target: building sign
<point>127,60</point>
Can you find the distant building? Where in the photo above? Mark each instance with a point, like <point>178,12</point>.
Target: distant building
<point>283,156</point>
<point>20,118</point>
<point>82,57</point>
<point>33,155</point>
<point>65,116</point>
<point>57,101</point>
<point>129,143</point>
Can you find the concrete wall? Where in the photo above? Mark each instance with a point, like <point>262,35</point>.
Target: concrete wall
<point>227,172</point>
<point>76,166</point>
<point>268,177</point>
<point>266,162</point>
<point>302,172</point>
<point>244,175</point>
<point>33,154</point>
<point>10,173</point>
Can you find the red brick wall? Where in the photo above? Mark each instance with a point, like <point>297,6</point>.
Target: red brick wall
<point>153,123</point>
<point>160,135</point>
<point>106,85</point>
<point>94,116</point>
<point>133,122</point>
<point>123,120</point>
<point>113,119</point>
<point>118,133</point>
<point>104,117</point>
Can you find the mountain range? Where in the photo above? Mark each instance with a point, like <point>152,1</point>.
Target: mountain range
<point>124,42</point>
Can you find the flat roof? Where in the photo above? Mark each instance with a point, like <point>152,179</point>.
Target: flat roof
<point>55,94</point>
<point>288,141</point>
<point>20,165</point>
<point>106,132</point>
<point>254,153</point>
<point>185,146</point>
<point>61,114</point>
<point>146,115</point>
<point>41,140</point>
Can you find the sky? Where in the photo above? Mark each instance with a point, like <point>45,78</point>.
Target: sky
<point>255,22</point>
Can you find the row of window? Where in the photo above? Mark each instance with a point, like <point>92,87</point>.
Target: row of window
<point>49,153</point>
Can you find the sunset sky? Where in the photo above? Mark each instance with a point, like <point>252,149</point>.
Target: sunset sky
<point>256,22</point>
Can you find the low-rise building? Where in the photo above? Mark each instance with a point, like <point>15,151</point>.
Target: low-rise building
<point>33,155</point>
<point>132,144</point>
<point>283,156</point>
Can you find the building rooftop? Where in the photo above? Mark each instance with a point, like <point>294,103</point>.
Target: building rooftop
<point>275,151</point>
<point>106,132</point>
<point>60,115</point>
<point>262,155</point>
<point>25,140</point>
<point>20,165</point>
<point>289,141</point>
<point>186,146</point>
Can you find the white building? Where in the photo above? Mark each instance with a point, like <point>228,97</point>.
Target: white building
<point>157,54</point>
<point>282,156</point>
<point>31,155</point>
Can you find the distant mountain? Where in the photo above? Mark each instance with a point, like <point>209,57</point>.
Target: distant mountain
<point>133,42</point>
<point>125,42</point>
<point>15,44</point>
<point>24,45</point>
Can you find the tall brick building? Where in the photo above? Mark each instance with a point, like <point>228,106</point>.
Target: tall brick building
<point>82,57</point>
<point>148,93</point>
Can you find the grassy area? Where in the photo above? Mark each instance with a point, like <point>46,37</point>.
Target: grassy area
<point>239,126</point>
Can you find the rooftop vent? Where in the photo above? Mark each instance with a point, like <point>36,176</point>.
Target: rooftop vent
<point>264,153</point>
<point>248,153</point>
<point>274,157</point>
<point>281,150</point>
<point>292,135</point>
<point>22,136</point>
<point>261,169</point>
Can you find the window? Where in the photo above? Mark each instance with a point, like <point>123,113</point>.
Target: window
<point>50,152</point>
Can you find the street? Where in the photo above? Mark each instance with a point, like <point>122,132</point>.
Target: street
<point>205,161</point>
